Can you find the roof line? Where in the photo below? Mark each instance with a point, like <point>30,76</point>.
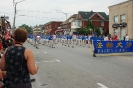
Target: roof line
<point>119,3</point>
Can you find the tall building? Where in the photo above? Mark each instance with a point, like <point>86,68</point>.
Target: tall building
<point>121,19</point>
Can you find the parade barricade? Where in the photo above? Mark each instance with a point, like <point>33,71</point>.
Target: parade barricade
<point>107,47</point>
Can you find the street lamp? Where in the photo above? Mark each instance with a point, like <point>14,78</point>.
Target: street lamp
<point>15,11</point>
<point>63,13</point>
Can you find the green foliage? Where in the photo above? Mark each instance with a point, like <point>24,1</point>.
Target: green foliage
<point>28,28</point>
<point>97,30</point>
<point>87,29</point>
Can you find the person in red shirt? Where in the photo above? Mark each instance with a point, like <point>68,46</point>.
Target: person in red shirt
<point>115,37</point>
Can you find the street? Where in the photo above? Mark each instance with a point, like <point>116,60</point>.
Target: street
<point>67,67</point>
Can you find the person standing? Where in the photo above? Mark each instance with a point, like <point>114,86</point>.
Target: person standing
<point>115,37</point>
<point>126,37</point>
<point>106,38</point>
<point>18,62</point>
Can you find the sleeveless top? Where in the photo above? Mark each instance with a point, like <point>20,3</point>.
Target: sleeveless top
<point>16,66</point>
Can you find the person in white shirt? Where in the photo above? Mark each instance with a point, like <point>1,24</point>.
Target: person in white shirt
<point>106,38</point>
<point>89,42</point>
<point>53,40</point>
<point>73,39</point>
<point>127,37</point>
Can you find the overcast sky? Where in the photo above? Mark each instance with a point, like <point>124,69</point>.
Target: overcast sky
<point>36,12</point>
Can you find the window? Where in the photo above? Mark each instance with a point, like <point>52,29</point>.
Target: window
<point>102,23</point>
<point>116,31</point>
<point>78,23</point>
<point>115,19</point>
<point>122,33</point>
<point>74,23</point>
<point>123,17</point>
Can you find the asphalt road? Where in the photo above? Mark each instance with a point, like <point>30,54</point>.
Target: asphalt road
<point>67,67</point>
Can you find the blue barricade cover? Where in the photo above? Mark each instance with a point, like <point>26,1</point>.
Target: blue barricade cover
<point>105,47</point>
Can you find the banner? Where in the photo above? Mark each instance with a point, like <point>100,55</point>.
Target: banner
<point>104,47</point>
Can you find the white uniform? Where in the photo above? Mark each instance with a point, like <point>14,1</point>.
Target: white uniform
<point>37,41</point>
<point>73,40</point>
<point>53,42</point>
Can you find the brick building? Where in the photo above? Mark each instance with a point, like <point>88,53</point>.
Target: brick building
<point>52,26</point>
<point>98,19</point>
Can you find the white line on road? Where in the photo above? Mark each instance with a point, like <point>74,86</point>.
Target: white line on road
<point>58,60</point>
<point>49,61</point>
<point>39,52</point>
<point>101,85</point>
<point>36,52</point>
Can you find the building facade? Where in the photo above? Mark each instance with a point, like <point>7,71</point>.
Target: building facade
<point>121,19</point>
<point>67,25</point>
<point>51,27</point>
<point>98,19</point>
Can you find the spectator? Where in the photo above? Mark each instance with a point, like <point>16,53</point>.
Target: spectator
<point>115,37</point>
<point>126,37</point>
<point>106,38</point>
<point>18,62</point>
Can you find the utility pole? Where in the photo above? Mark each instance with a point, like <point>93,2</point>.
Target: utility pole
<point>63,13</point>
<point>15,12</point>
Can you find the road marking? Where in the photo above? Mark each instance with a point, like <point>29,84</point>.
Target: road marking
<point>49,61</point>
<point>58,60</point>
<point>36,52</point>
<point>101,85</point>
<point>39,52</point>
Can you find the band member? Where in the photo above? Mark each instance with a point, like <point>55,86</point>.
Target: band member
<point>69,37</point>
<point>89,43</point>
<point>37,41</point>
<point>83,40</point>
<point>73,40</point>
<point>53,40</point>
<point>50,40</point>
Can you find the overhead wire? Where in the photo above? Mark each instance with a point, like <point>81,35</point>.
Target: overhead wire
<point>32,16</point>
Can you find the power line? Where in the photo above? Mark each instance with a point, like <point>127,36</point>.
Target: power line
<point>39,11</point>
<point>33,16</point>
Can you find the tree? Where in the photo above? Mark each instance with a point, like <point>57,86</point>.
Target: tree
<point>97,30</point>
<point>28,28</point>
<point>88,29</point>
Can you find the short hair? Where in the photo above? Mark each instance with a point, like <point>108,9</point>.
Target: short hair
<point>20,35</point>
